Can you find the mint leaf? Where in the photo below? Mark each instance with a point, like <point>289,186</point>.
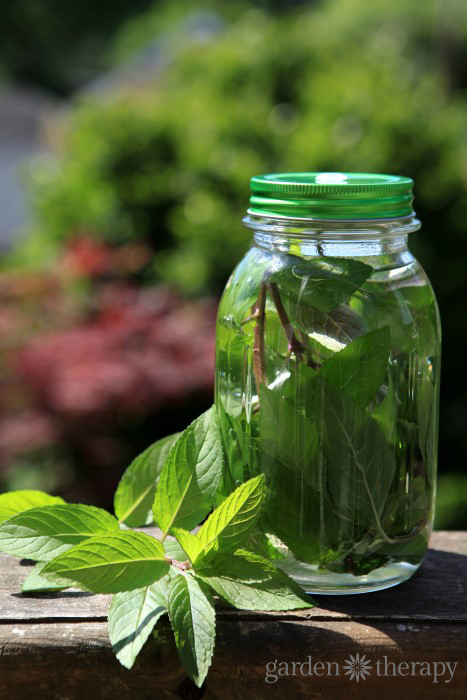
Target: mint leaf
<point>411,313</point>
<point>356,557</point>
<point>174,550</point>
<point>15,502</point>
<point>327,333</point>
<point>265,544</point>
<point>288,426</point>
<point>135,493</point>
<point>360,462</point>
<point>35,583</point>
<point>192,615</point>
<point>293,510</point>
<point>190,477</point>
<point>411,550</point>
<point>43,533</point>
<point>189,543</point>
<point>409,514</point>
<point>233,439</point>
<point>229,524</point>
<point>360,368</point>
<point>132,617</point>
<point>161,588</point>
<point>385,413</point>
<point>112,563</point>
<point>427,408</point>
<point>242,566</point>
<point>324,283</point>
<point>293,463</point>
<point>249,582</point>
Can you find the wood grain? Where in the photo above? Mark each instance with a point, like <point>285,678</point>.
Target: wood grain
<point>55,646</point>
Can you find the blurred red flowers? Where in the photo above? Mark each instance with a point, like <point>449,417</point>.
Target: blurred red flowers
<point>142,349</point>
<point>89,353</point>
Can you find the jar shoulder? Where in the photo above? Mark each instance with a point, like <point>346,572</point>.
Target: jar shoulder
<point>403,292</point>
<point>406,295</point>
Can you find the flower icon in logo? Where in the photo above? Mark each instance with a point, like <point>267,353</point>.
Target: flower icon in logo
<point>357,667</point>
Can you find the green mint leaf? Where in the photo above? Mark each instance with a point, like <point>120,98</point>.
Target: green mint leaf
<point>292,463</point>
<point>112,563</point>
<point>412,315</point>
<point>265,544</point>
<point>132,617</point>
<point>135,493</point>
<point>360,368</point>
<point>43,533</point>
<point>385,413</point>
<point>189,543</point>
<point>293,510</point>
<point>401,516</point>
<point>242,566</point>
<point>192,615</point>
<point>15,502</point>
<point>249,582</point>
<point>288,427</point>
<point>328,332</point>
<point>355,446</point>
<point>324,283</point>
<point>233,439</point>
<point>409,550</point>
<point>328,282</point>
<point>190,478</point>
<point>161,587</point>
<point>229,524</point>
<point>174,550</point>
<point>356,558</point>
<point>35,583</point>
<point>427,405</point>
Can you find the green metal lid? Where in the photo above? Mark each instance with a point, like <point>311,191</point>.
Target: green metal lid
<point>331,196</point>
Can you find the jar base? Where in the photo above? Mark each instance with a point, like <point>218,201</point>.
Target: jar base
<point>316,581</point>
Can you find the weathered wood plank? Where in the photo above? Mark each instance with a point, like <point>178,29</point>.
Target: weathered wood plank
<point>436,592</point>
<point>74,660</point>
<point>55,646</point>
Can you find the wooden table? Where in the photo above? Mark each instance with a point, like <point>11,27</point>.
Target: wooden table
<point>55,646</point>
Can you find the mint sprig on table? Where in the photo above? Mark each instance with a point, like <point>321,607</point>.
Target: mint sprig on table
<point>175,484</point>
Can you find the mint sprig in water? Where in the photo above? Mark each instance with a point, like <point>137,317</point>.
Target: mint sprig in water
<point>333,407</point>
<point>87,547</point>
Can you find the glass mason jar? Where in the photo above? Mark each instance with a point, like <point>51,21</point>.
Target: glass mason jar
<point>328,359</point>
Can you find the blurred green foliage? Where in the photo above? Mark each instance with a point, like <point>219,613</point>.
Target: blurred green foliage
<point>337,85</point>
<point>451,502</point>
<point>59,46</point>
<point>342,87</point>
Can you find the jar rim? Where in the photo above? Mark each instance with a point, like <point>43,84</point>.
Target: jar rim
<point>361,228</point>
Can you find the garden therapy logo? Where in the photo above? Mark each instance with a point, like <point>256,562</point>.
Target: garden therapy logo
<point>357,667</point>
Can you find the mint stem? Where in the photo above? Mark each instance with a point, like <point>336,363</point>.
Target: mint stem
<point>182,565</point>
<point>310,361</point>
<point>259,313</point>
<point>295,345</point>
